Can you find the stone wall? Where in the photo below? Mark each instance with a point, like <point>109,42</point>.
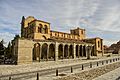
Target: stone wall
<point>24,48</point>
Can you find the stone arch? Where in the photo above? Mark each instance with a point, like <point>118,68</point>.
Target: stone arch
<point>36,52</point>
<point>44,52</point>
<point>71,51</point>
<point>66,52</point>
<point>77,52</point>
<point>60,51</point>
<point>40,25</point>
<point>51,54</point>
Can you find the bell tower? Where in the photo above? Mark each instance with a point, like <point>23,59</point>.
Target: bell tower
<point>22,26</point>
<point>32,28</point>
<point>80,32</point>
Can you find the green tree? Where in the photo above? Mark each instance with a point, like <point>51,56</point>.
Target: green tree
<point>17,36</point>
<point>9,51</point>
<point>2,47</point>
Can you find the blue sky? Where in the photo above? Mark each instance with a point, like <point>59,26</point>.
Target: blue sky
<point>100,18</point>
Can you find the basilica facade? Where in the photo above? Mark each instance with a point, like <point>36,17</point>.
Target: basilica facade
<point>38,43</point>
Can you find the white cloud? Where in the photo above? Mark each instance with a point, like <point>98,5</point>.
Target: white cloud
<point>107,16</point>
<point>6,36</point>
<point>100,17</point>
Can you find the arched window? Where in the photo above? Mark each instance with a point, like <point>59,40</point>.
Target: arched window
<point>40,28</point>
<point>98,43</point>
<point>46,29</point>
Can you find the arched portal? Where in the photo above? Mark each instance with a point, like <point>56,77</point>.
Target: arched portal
<point>81,50</point>
<point>60,51</point>
<point>36,52</point>
<point>44,54</point>
<point>77,52</point>
<point>71,51</point>
<point>51,54</point>
<point>66,52</point>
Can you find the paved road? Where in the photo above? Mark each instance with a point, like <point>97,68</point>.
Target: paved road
<point>45,72</point>
<point>112,75</point>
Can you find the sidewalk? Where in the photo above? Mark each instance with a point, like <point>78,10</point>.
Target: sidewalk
<point>16,69</point>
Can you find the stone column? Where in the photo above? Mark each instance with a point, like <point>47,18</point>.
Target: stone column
<point>56,51</point>
<point>63,51</point>
<point>68,52</point>
<point>74,51</point>
<point>78,51</point>
<point>92,52</point>
<point>47,52</point>
<point>40,53</point>
<point>82,50</point>
<point>88,52</point>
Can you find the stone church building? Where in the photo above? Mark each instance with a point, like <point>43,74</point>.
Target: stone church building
<point>38,43</point>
